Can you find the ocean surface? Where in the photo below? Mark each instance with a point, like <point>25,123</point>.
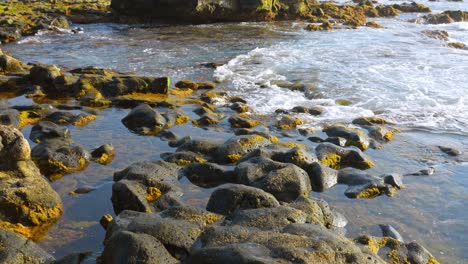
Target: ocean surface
<point>396,72</point>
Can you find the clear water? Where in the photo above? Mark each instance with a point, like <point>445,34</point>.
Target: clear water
<point>396,72</point>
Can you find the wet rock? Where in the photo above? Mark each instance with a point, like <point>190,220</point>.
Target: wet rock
<point>363,185</point>
<point>337,157</point>
<point>242,121</point>
<point>187,84</point>
<point>308,110</point>
<point>450,150</point>
<point>191,214</point>
<point>423,172</point>
<point>381,133</point>
<point>208,174</point>
<point>316,139</point>
<point>369,121</point>
<point>233,253</point>
<point>322,27</point>
<point>339,141</point>
<point>354,137</point>
<point>283,247</point>
<point>387,11</point>
<point>395,180</point>
<point>390,231</point>
<point>445,17</point>
<point>233,197</point>
<point>130,247</point>
<point>74,258</point>
<point>197,146</point>
<point>43,74</point>
<point>183,158</point>
<point>317,211</point>
<point>287,122</point>
<point>68,118</point>
<point>234,148</point>
<point>142,185</point>
<point>60,22</point>
<point>412,8</point>
<point>17,249</point>
<point>82,190</point>
<point>284,181</point>
<point>29,205</point>
<point>206,85</point>
<point>322,177</point>
<point>144,120</point>
<point>9,64</point>
<point>297,156</point>
<point>10,117</point>
<point>56,160</point>
<point>206,120</point>
<point>457,45</point>
<point>176,235</point>
<point>62,85</point>
<point>436,34</point>
<point>275,218</point>
<point>240,107</point>
<point>104,154</point>
<point>398,252</point>
<point>373,24</point>
<point>47,130</point>
<point>105,220</point>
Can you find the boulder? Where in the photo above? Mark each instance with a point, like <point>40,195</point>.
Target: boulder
<point>182,158</point>
<point>9,64</point>
<point>234,148</point>
<point>45,130</point>
<point>103,154</point>
<point>29,205</point>
<point>317,211</point>
<point>10,117</point>
<point>337,157</point>
<point>69,118</point>
<point>146,187</point>
<point>232,197</point>
<point>283,180</point>
<point>132,248</point>
<point>354,137</point>
<point>208,174</point>
<point>56,158</point>
<point>16,249</point>
<point>177,235</point>
<point>445,17</point>
<point>144,120</point>
<point>43,74</point>
<point>322,177</point>
<point>277,247</point>
<point>396,251</point>
<point>274,218</point>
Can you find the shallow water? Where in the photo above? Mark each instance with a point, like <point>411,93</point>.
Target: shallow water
<point>395,72</point>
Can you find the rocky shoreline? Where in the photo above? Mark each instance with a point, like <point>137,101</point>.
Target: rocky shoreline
<point>263,209</point>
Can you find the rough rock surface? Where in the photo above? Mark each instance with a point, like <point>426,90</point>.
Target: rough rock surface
<point>28,203</point>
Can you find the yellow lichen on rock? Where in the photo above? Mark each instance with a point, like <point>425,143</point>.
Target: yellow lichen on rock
<point>182,119</point>
<point>234,157</point>
<point>84,120</point>
<point>28,118</point>
<point>369,193</point>
<point>153,193</point>
<point>332,161</point>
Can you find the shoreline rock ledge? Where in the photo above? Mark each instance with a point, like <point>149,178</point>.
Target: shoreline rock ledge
<point>28,204</point>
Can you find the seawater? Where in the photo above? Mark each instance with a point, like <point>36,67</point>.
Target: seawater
<point>395,72</point>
